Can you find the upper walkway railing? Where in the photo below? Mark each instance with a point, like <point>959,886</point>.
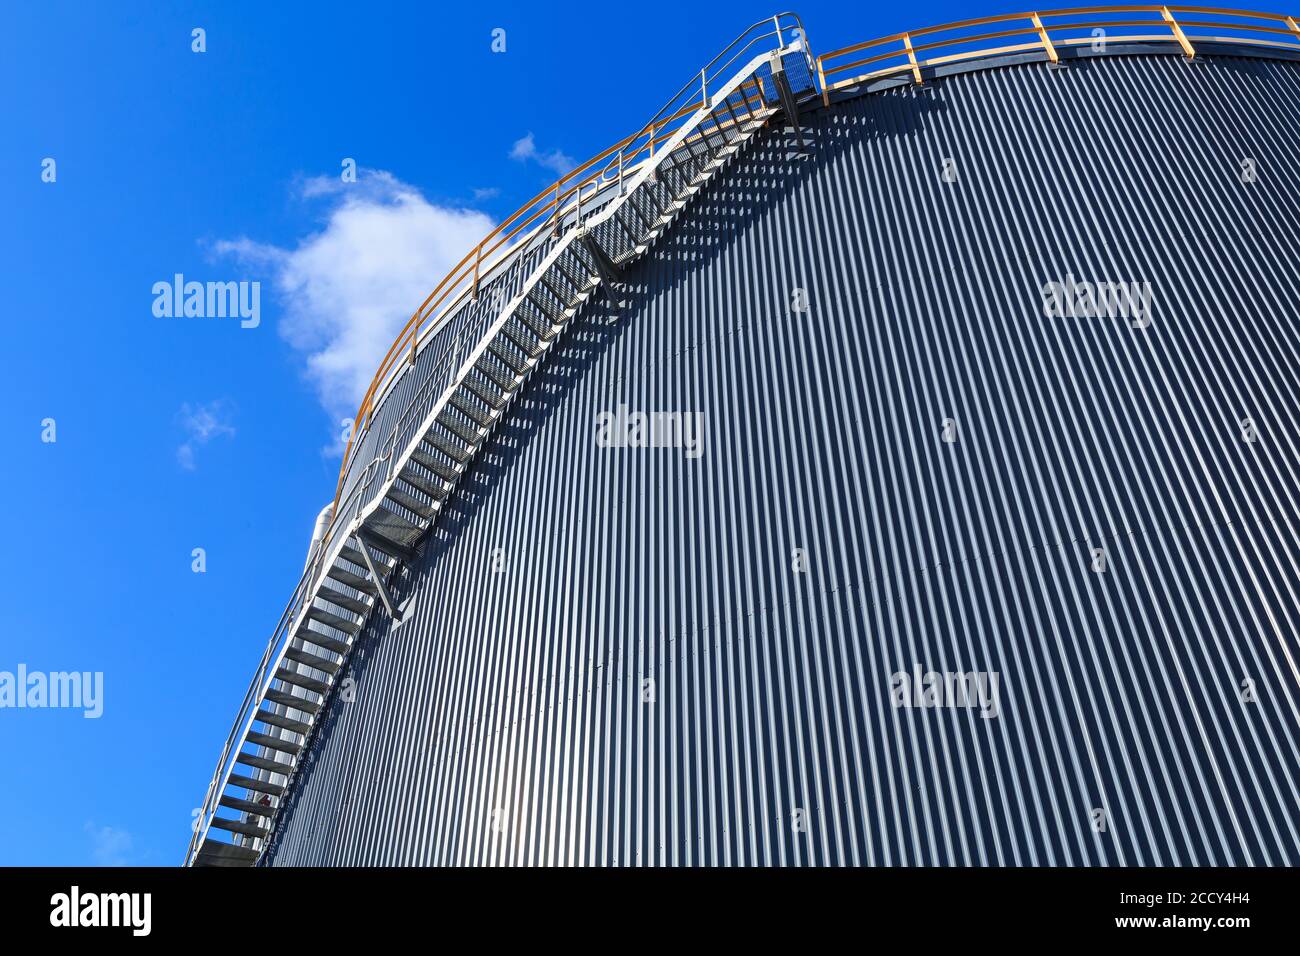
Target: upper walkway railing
<point>1049,31</point>
<point>1046,31</point>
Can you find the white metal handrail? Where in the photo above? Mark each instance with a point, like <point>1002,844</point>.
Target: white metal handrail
<point>667,135</point>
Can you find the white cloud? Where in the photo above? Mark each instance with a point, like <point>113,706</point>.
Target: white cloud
<point>109,846</point>
<point>201,423</point>
<point>525,149</point>
<point>486,192</point>
<point>351,287</point>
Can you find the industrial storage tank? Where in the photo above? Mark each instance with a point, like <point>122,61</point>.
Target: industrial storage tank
<point>885,456</point>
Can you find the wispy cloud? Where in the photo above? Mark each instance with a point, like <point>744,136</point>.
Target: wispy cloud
<point>486,192</point>
<point>349,288</point>
<point>525,150</point>
<point>201,424</point>
<point>109,846</point>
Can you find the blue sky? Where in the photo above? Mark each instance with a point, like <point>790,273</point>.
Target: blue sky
<point>183,433</point>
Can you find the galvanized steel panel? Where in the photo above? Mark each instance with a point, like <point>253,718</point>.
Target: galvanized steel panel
<point>503,722</point>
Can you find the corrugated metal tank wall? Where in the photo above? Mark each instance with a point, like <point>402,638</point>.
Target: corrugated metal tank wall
<point>507,720</point>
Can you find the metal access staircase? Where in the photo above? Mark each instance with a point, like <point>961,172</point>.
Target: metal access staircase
<point>404,489</point>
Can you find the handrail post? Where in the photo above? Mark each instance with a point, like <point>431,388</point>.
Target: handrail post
<point>776,21</point>
<point>1295,27</point>
<point>807,47</point>
<point>1047,41</point>
<point>650,159</point>
<point>1179,35</point>
<point>911,56</point>
<point>821,81</point>
<point>478,257</point>
<point>704,89</point>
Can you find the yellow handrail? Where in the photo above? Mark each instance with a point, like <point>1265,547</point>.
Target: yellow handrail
<point>1043,28</point>
<point>1046,28</point>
